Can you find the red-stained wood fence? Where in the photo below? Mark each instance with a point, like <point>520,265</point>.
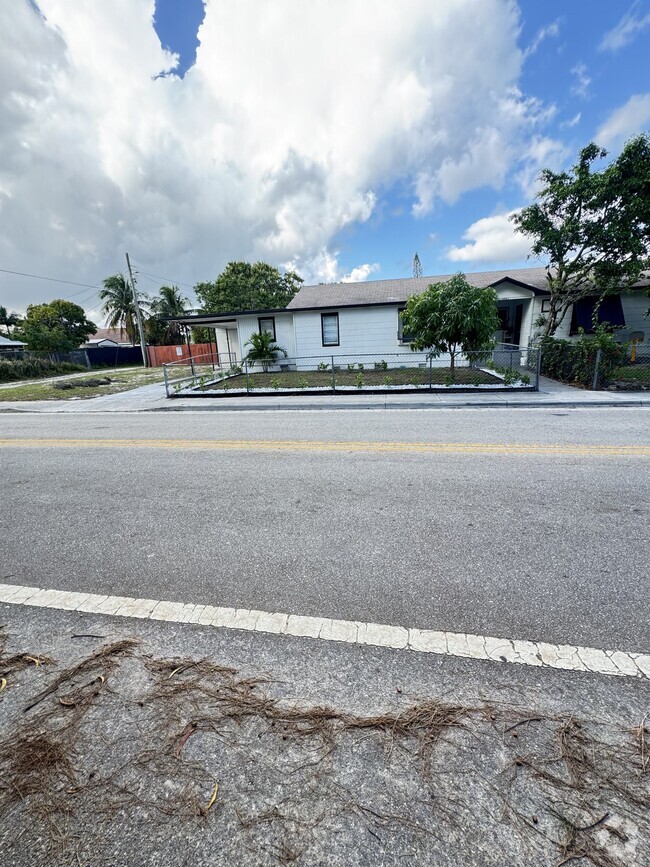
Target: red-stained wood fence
<point>159,355</point>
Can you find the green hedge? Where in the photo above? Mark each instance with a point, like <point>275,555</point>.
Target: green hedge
<point>35,368</point>
<point>575,361</point>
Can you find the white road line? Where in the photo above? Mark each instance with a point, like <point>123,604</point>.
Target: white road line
<point>517,651</point>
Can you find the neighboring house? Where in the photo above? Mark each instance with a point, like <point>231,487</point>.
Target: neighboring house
<point>108,337</point>
<point>8,347</point>
<point>340,319</point>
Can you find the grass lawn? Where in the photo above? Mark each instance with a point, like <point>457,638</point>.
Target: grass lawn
<point>393,377</point>
<point>121,380</point>
<point>637,374</point>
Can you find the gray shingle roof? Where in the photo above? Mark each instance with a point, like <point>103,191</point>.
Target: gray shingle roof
<point>4,341</point>
<point>397,291</point>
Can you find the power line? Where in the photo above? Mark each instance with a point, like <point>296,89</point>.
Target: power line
<point>51,279</point>
<point>166,280</point>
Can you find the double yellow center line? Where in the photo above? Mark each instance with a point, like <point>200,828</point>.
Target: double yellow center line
<point>333,446</point>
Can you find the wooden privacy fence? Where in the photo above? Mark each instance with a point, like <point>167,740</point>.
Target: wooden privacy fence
<point>159,355</point>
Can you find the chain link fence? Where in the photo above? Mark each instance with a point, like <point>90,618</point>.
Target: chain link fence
<point>506,367</point>
<point>613,366</point>
<point>633,374</point>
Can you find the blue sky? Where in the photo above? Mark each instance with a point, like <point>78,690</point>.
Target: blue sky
<point>336,137</point>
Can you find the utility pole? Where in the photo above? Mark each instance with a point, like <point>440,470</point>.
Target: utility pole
<point>138,315</point>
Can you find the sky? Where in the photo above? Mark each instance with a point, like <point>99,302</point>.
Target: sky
<point>335,137</point>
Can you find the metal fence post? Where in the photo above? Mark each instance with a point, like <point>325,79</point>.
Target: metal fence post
<point>165,378</point>
<point>248,391</point>
<point>333,375</point>
<point>538,366</point>
<point>596,366</point>
<point>430,372</point>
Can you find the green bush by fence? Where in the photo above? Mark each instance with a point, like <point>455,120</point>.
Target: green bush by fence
<point>575,362</point>
<point>35,368</point>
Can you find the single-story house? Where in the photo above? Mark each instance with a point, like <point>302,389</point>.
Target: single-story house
<point>338,319</point>
<point>108,337</point>
<point>8,347</point>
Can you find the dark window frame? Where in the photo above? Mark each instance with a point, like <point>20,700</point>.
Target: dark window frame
<point>401,336</point>
<point>322,329</point>
<point>610,310</point>
<point>261,319</point>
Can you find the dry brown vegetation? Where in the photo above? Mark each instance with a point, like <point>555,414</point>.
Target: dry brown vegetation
<point>123,734</point>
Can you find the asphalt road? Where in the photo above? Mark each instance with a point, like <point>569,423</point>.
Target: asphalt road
<point>546,538</point>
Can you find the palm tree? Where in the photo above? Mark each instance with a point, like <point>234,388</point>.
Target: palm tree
<point>119,307</point>
<point>264,349</point>
<point>169,303</point>
<point>8,319</point>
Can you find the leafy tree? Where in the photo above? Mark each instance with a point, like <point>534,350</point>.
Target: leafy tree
<point>417,266</point>
<point>170,302</point>
<point>592,226</point>
<point>9,320</point>
<point>243,286</point>
<point>119,306</point>
<point>59,326</point>
<point>263,349</point>
<point>452,317</point>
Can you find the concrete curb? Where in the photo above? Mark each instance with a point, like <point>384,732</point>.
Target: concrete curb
<point>527,404</point>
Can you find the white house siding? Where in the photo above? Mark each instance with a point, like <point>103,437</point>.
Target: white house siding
<point>247,325</point>
<point>369,331</point>
<point>635,307</point>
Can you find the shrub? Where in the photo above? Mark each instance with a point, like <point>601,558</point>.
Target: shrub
<point>35,368</point>
<point>388,380</point>
<point>359,379</point>
<point>275,383</point>
<point>303,383</point>
<point>381,365</point>
<point>575,362</point>
<point>323,365</point>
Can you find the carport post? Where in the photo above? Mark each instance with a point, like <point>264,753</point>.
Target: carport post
<point>189,348</point>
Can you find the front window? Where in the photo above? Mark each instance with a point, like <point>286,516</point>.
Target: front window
<point>610,310</point>
<point>267,324</point>
<point>402,336</point>
<point>329,323</point>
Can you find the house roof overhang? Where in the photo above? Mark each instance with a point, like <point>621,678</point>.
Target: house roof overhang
<point>521,284</point>
<point>220,318</point>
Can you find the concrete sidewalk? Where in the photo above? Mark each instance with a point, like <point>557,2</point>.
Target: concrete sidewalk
<point>151,398</point>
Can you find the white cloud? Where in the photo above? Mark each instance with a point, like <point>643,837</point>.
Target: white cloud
<point>491,239</point>
<point>362,272</point>
<point>542,152</point>
<point>267,148</point>
<point>550,31</point>
<point>625,31</point>
<point>626,121</point>
<point>580,86</point>
<point>324,267</point>
<point>573,121</point>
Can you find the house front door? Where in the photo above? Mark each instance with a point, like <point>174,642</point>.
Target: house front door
<point>510,315</point>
